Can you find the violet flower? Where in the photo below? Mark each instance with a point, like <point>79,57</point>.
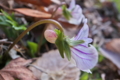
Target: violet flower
<point>76,13</point>
<point>85,56</point>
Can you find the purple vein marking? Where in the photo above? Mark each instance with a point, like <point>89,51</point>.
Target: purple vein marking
<point>80,56</point>
<point>82,51</point>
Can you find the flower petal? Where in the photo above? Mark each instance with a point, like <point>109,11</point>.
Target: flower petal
<point>83,33</point>
<point>86,58</point>
<point>72,5</point>
<point>77,10</point>
<point>87,41</point>
<point>76,19</point>
<point>88,71</point>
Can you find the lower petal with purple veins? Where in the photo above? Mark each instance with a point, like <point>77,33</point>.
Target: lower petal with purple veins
<point>85,58</point>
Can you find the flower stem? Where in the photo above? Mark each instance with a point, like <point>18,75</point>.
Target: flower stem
<point>42,35</point>
<point>33,26</point>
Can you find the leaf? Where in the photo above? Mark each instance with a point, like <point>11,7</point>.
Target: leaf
<point>101,58</point>
<point>7,19</point>
<point>67,50</point>
<point>113,45</point>
<point>16,69</point>
<point>85,76</point>
<point>111,51</point>
<point>62,44</point>
<point>33,13</point>
<point>36,2</point>
<point>59,43</point>
<point>5,76</point>
<point>56,67</point>
<point>3,21</point>
<point>57,31</point>
<point>7,15</point>
<point>33,47</point>
<point>66,13</point>
<point>58,2</point>
<point>117,3</point>
<point>15,25</point>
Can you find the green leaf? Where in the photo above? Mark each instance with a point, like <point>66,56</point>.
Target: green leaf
<point>33,47</point>
<point>4,24</point>
<point>9,19</point>
<point>3,21</point>
<point>67,50</point>
<point>59,43</point>
<point>22,27</point>
<point>15,25</point>
<point>66,13</point>
<point>85,76</point>
<point>9,24</point>
<point>57,31</point>
<point>62,45</point>
<point>101,58</point>
<point>117,4</point>
<point>7,15</point>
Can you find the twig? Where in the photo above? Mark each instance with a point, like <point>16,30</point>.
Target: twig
<point>4,6</point>
<point>4,41</point>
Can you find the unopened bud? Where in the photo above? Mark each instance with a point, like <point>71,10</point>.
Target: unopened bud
<point>50,36</point>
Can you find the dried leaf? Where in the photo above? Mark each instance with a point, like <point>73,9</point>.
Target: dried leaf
<point>36,2</point>
<point>113,45</point>
<point>111,51</point>
<point>55,66</point>
<point>17,69</point>
<point>56,1</point>
<point>33,13</point>
<point>5,76</point>
<point>114,57</point>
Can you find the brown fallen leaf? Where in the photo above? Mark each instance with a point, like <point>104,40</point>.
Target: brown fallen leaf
<point>111,50</point>
<point>56,1</point>
<point>33,13</point>
<point>16,69</point>
<point>114,57</point>
<point>113,45</point>
<point>36,2</point>
<point>5,76</point>
<point>52,67</point>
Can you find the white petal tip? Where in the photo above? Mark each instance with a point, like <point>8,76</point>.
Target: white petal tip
<point>88,71</point>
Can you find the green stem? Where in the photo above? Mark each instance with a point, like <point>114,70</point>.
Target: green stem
<point>35,25</point>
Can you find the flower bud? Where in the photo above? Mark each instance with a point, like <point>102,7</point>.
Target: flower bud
<point>50,36</point>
